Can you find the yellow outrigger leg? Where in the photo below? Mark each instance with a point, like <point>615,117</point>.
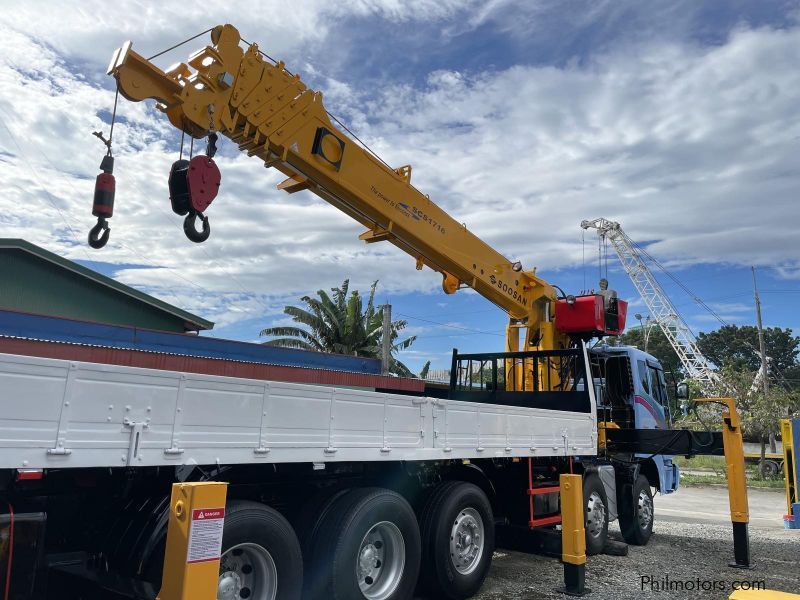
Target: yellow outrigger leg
<point>573,535</point>
<point>194,541</point>
<point>737,485</point>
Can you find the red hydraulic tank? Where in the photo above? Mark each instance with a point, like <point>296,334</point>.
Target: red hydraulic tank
<point>587,316</point>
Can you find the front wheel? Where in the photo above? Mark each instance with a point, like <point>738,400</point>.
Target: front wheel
<point>636,520</point>
<point>595,504</point>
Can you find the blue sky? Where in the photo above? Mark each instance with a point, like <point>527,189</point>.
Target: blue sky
<point>677,119</point>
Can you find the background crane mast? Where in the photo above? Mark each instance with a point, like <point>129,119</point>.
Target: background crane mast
<point>664,313</point>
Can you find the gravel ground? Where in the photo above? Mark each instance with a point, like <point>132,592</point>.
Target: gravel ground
<point>679,551</point>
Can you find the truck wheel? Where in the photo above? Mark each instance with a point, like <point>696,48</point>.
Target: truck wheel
<point>595,503</point>
<point>769,469</point>
<point>636,522</point>
<point>368,548</point>
<point>457,540</point>
<point>261,557</point>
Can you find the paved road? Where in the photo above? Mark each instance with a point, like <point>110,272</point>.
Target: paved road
<point>709,504</point>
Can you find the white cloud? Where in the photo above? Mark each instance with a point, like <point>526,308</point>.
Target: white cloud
<point>691,147</point>
<point>732,307</point>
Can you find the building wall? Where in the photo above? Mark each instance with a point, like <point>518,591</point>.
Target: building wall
<point>31,284</point>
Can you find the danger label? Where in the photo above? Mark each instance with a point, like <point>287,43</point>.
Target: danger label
<point>205,534</point>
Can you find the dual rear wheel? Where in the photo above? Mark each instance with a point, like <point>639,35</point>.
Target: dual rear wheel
<point>636,514</point>
<point>372,546</point>
<point>366,543</point>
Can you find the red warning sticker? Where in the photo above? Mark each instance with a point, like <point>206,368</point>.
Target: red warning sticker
<point>205,534</point>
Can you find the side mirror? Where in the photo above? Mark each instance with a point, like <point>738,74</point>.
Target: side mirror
<point>683,395</point>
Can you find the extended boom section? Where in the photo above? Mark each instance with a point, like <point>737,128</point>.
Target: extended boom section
<point>270,113</point>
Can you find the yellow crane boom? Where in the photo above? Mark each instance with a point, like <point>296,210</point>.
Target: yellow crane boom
<point>271,114</point>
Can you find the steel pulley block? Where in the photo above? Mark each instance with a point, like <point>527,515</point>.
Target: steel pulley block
<point>179,187</point>
<point>203,180</point>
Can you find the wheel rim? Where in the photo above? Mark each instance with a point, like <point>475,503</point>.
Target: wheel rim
<point>595,515</point>
<point>380,561</point>
<point>645,505</point>
<point>247,571</point>
<point>467,541</point>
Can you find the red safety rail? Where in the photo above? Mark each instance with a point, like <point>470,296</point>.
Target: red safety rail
<point>535,491</point>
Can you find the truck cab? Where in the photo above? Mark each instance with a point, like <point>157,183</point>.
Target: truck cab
<point>631,392</point>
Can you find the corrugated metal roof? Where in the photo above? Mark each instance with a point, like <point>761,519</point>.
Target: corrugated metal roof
<point>18,244</point>
<point>19,325</point>
<point>207,366</point>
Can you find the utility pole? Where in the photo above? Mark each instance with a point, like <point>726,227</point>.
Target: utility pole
<point>645,326</point>
<point>763,351</point>
<point>386,337</point>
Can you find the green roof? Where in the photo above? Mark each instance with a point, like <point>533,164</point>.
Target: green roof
<point>193,322</point>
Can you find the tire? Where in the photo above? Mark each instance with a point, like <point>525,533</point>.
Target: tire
<point>769,469</point>
<point>595,505</point>
<point>311,518</point>
<point>637,516</point>
<point>453,514</point>
<point>368,548</point>
<point>259,545</point>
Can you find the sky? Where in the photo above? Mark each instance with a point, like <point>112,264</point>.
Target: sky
<point>677,119</point>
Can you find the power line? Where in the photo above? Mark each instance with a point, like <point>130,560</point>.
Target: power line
<point>459,313</point>
<point>449,325</point>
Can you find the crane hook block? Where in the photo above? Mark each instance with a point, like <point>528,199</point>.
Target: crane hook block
<point>202,180</point>
<point>193,185</point>
<point>103,204</point>
<point>191,232</point>
<point>179,187</point>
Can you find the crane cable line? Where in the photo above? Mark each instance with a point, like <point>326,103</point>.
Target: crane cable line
<point>145,261</point>
<point>77,240</point>
<point>477,331</point>
<point>699,301</point>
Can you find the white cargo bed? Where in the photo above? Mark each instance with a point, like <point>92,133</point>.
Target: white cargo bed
<point>59,414</point>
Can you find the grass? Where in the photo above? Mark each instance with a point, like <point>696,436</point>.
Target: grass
<point>714,472</point>
<point>700,462</point>
<point>714,479</point>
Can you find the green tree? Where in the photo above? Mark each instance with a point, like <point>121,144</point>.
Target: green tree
<point>792,376</point>
<point>760,415</point>
<point>732,345</point>
<point>342,325</point>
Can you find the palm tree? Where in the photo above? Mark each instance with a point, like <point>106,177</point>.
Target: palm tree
<point>340,324</point>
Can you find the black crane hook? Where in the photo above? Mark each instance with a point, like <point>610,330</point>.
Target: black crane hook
<point>190,230</point>
<point>97,239</point>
